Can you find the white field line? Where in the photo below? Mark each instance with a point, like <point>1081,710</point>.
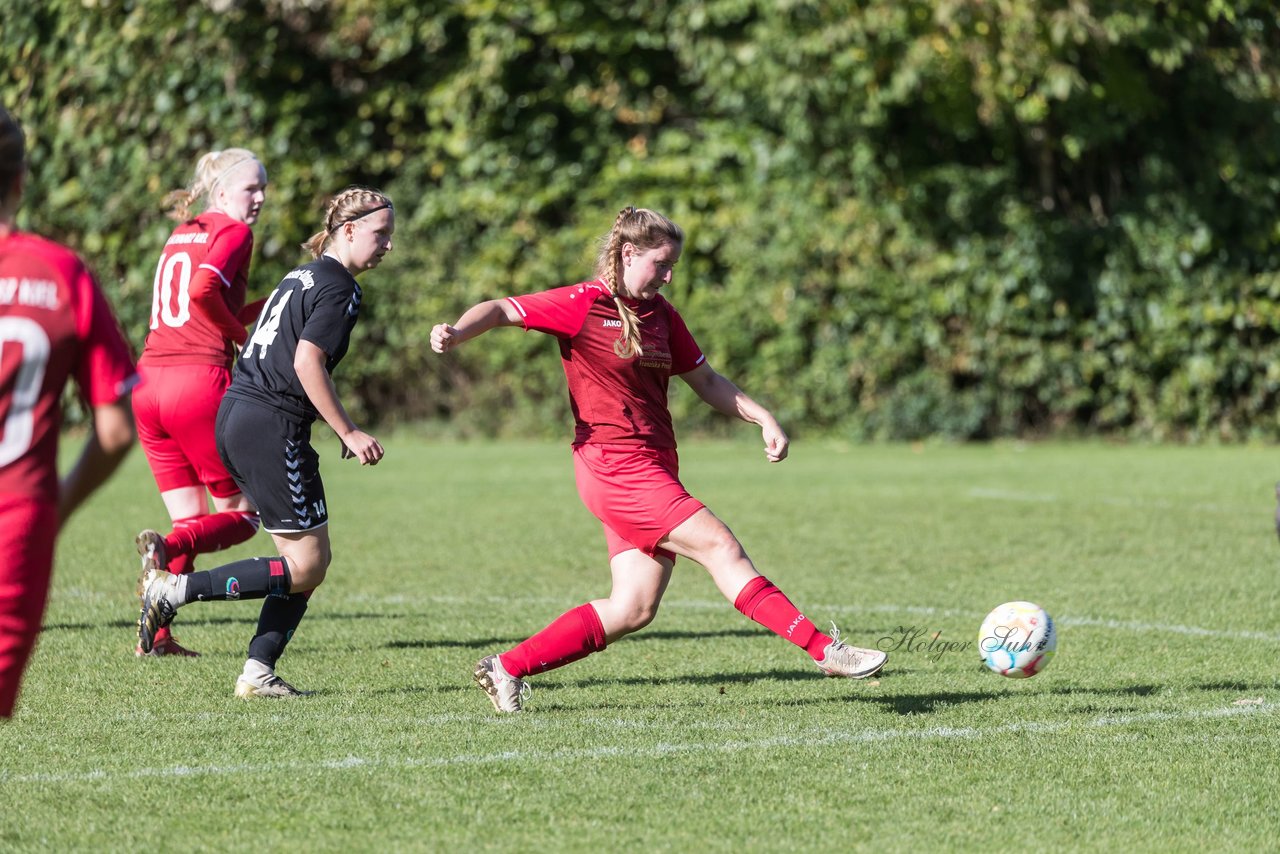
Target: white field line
<point>825,737</point>
<point>1069,620</point>
<point>1109,500</point>
<point>1072,620</point>
<point>973,617</point>
<point>1156,628</point>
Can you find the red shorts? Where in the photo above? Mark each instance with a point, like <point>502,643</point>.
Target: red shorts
<point>27,531</point>
<point>175,408</point>
<point>635,492</point>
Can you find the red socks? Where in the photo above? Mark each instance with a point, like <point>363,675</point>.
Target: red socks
<point>573,635</point>
<point>577,633</point>
<point>761,601</point>
<point>209,533</point>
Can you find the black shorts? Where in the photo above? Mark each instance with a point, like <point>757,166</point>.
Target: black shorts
<point>269,455</point>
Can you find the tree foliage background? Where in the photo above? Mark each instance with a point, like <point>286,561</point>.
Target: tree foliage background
<point>969,218</point>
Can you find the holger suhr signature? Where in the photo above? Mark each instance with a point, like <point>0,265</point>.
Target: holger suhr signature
<point>919,639</point>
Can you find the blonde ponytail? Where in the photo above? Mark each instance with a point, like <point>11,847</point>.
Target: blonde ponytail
<point>211,169</point>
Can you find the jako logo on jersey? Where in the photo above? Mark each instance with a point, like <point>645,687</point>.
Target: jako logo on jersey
<point>233,588</point>
<point>612,324</point>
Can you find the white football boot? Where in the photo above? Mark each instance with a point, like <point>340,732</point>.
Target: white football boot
<point>506,692</point>
<point>840,659</point>
<point>259,680</point>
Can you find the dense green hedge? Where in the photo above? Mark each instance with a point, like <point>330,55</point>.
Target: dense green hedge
<point>905,218</point>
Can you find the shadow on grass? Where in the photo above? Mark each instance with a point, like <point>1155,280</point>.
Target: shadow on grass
<point>923,704</point>
<point>918,704</point>
<point>717,680</point>
<point>508,642</point>
<point>478,644</point>
<point>721,680</point>
<point>708,679</point>
<point>234,614</point>
<point>898,704</point>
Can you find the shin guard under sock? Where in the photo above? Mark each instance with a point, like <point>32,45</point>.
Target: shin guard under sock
<point>276,624</point>
<point>573,635</point>
<point>253,578</point>
<point>761,601</point>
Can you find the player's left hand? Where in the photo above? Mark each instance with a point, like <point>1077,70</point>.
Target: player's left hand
<point>362,446</point>
<point>775,442</point>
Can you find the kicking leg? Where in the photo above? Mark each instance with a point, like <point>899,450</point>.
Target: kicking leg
<point>704,538</point>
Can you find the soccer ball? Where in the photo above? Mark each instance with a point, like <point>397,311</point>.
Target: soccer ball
<point>1017,640</point>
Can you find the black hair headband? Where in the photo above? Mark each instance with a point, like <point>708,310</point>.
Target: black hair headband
<point>381,207</point>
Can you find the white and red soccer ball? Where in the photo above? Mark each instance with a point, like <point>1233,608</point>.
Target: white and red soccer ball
<point>1017,640</point>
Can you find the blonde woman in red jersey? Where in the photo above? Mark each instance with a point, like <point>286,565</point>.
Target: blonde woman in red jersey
<point>54,324</point>
<point>198,318</point>
<point>620,342</point>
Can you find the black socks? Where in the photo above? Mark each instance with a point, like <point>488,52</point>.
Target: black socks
<point>253,578</point>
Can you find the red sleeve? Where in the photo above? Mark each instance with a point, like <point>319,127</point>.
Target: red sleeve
<point>105,371</point>
<point>559,311</point>
<point>685,353</point>
<point>206,295</point>
<point>228,254</point>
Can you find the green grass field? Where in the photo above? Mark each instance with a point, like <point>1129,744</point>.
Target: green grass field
<point>1156,728</point>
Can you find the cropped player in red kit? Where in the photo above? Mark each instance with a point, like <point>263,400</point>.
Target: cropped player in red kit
<point>198,318</point>
<point>54,324</point>
<point>620,342</point>
<point>282,384</point>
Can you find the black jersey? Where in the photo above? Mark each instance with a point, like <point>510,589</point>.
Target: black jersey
<point>318,302</point>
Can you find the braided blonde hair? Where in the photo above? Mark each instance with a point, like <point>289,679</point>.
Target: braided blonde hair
<point>348,206</point>
<point>211,169</point>
<point>644,229</point>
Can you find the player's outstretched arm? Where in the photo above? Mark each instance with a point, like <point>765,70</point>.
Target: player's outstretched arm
<point>113,435</point>
<point>477,320</point>
<point>721,394</point>
<point>309,362</point>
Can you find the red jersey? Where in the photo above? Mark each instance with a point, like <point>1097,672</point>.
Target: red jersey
<point>615,401</point>
<point>54,323</point>
<point>199,292</point>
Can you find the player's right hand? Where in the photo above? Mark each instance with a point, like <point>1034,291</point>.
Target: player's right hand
<point>442,337</point>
